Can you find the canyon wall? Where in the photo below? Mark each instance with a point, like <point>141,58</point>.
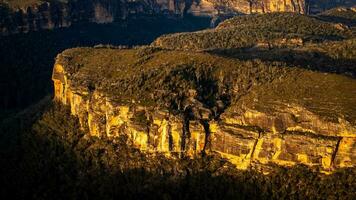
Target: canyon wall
<point>45,15</point>
<point>248,136</point>
<point>49,15</point>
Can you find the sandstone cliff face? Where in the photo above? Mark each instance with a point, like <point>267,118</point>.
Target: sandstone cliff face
<point>248,133</point>
<point>257,6</point>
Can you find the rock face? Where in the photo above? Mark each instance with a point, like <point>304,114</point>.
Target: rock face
<point>251,129</point>
<point>56,14</point>
<point>257,6</point>
<point>49,15</point>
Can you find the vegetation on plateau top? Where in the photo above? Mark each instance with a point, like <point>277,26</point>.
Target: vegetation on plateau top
<point>219,67</point>
<point>272,29</point>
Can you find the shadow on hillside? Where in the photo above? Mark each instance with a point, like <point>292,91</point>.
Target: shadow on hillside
<point>54,160</point>
<point>27,59</point>
<point>311,60</point>
<point>334,19</point>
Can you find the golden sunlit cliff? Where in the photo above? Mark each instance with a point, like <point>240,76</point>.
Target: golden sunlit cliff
<point>260,113</point>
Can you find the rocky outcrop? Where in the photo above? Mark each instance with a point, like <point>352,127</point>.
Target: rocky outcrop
<point>252,129</point>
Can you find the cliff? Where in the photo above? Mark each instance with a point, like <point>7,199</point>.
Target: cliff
<point>252,112</point>
<point>27,16</point>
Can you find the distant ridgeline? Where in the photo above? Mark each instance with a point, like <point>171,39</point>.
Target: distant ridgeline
<point>29,15</point>
<point>259,89</point>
